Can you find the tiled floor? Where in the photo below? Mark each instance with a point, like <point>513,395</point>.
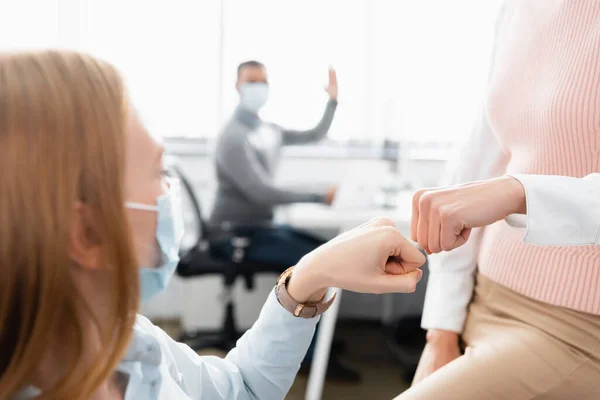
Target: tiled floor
<point>366,352</point>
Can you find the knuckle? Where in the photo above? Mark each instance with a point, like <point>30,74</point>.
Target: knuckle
<point>393,235</point>
<point>388,235</point>
<point>389,230</point>
<point>445,214</point>
<point>383,222</point>
<point>426,201</point>
<point>418,195</point>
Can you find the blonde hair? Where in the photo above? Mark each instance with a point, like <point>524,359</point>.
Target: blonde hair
<point>62,136</point>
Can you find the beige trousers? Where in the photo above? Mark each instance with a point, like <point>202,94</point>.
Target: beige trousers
<point>519,348</point>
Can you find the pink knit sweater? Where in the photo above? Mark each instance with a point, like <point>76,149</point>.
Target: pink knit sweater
<point>544,107</point>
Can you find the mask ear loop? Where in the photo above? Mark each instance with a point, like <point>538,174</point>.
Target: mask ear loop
<point>172,184</point>
<point>139,206</point>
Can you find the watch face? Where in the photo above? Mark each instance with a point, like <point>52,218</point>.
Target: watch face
<point>285,277</point>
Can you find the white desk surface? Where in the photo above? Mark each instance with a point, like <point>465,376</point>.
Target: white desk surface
<point>344,217</point>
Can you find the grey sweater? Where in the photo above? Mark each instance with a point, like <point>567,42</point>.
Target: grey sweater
<point>247,156</point>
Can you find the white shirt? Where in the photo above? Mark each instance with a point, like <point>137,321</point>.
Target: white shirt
<point>554,205</point>
<point>262,366</point>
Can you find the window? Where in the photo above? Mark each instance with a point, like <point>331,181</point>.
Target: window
<point>168,52</point>
<point>22,29</point>
<point>408,70</point>
<point>297,41</point>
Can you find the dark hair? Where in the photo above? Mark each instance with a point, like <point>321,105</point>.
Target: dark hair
<point>251,64</point>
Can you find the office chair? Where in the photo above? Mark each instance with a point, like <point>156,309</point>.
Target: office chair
<point>199,261</point>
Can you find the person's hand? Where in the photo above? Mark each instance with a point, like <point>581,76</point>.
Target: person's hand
<point>332,87</point>
<point>443,218</point>
<point>441,348</point>
<point>330,195</point>
<point>373,258</point>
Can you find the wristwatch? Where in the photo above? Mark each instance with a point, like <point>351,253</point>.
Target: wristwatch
<point>301,310</point>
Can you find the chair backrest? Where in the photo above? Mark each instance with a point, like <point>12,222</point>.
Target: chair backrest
<point>202,227</point>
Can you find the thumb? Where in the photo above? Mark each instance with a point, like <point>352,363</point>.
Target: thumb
<point>405,283</point>
<point>397,266</point>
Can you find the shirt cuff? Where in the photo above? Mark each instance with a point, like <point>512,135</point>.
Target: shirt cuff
<point>561,211</point>
<point>517,220</point>
<point>446,301</point>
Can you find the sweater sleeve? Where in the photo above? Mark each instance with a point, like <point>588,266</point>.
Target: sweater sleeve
<point>451,281</point>
<point>291,137</point>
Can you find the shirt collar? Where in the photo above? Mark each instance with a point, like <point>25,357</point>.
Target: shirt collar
<point>247,117</point>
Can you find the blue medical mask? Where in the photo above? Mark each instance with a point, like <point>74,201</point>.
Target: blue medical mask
<point>169,232</point>
<point>253,96</point>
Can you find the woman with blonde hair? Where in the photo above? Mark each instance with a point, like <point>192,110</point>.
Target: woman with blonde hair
<point>89,224</point>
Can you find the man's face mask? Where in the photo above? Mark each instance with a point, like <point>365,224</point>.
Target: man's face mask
<point>169,232</point>
<point>253,96</point>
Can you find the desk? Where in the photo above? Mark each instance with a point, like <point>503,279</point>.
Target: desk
<point>342,217</point>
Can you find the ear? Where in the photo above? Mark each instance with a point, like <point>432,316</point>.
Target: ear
<point>85,248</point>
<point>237,86</point>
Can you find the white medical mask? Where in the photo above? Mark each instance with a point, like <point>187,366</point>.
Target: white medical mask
<point>253,96</point>
<point>169,232</point>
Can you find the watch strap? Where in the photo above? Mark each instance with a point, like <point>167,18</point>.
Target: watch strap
<point>300,310</point>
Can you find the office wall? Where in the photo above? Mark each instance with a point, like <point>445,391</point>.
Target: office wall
<point>196,301</point>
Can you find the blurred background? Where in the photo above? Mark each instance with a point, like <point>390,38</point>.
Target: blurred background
<point>411,76</point>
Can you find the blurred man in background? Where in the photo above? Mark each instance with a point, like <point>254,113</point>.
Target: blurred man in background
<point>247,155</point>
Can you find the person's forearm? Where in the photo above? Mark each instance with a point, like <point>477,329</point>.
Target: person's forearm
<point>441,337</point>
<point>292,137</point>
<point>274,196</point>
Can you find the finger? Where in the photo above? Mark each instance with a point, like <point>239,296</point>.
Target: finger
<point>399,248</point>
<point>397,266</point>
<point>332,76</point>
<point>423,225</point>
<point>466,233</point>
<point>433,238</point>
<point>453,233</point>
<point>388,283</point>
<point>415,214</point>
<point>462,238</point>
<point>448,235</point>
